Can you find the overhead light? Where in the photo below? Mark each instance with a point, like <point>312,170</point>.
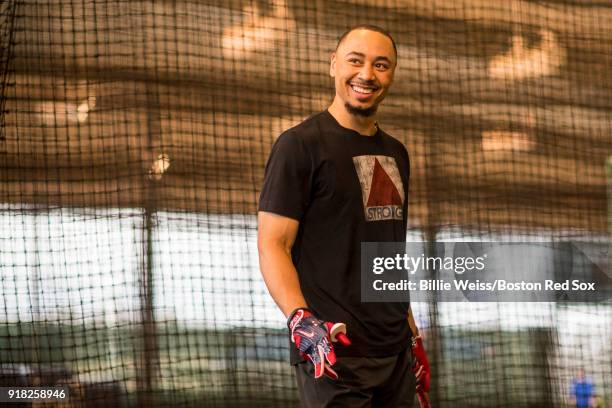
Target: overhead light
<point>60,113</point>
<point>520,61</point>
<point>502,141</point>
<point>258,33</point>
<point>159,167</point>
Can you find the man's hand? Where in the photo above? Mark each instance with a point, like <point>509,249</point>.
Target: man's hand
<point>314,337</point>
<point>421,371</point>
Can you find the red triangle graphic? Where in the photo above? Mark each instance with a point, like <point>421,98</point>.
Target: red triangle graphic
<point>383,191</point>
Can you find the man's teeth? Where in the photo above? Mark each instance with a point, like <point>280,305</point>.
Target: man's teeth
<point>359,89</point>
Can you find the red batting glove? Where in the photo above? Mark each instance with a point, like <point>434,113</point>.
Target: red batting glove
<point>314,338</point>
<point>421,371</point>
<point>423,399</point>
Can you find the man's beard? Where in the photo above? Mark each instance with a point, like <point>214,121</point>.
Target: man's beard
<point>365,112</point>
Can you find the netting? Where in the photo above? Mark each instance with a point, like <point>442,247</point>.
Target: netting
<point>133,140</point>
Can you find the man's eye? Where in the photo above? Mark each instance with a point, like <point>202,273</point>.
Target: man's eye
<point>382,66</point>
<point>354,61</point>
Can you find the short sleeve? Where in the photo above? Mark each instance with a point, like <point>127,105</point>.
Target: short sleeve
<point>288,178</point>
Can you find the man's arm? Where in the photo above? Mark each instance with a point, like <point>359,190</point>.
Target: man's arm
<point>312,337</point>
<point>275,239</point>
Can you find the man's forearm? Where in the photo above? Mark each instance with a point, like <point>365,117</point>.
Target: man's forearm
<point>281,278</point>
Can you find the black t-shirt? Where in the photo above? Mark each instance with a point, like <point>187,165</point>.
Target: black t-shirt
<point>344,189</point>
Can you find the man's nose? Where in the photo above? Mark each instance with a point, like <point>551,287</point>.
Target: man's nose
<point>366,72</point>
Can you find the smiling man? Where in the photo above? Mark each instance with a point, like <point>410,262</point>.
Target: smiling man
<point>332,182</point>
<point>362,67</point>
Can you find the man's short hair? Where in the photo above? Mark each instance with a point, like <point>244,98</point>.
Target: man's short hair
<point>369,27</point>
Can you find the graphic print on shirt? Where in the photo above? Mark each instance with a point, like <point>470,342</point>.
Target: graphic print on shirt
<point>381,187</point>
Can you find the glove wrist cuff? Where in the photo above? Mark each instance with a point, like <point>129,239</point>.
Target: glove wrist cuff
<point>306,311</point>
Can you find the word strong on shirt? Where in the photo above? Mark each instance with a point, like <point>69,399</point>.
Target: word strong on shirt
<point>381,187</point>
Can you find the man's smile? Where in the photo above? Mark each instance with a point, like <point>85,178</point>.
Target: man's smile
<point>363,90</point>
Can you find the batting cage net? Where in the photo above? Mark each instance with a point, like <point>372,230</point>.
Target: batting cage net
<point>133,140</point>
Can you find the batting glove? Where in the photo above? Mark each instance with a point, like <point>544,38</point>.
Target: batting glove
<point>314,337</point>
<point>421,371</point>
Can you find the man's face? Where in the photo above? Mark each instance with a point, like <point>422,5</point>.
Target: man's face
<point>362,68</point>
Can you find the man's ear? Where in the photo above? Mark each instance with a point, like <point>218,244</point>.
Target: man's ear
<point>332,65</point>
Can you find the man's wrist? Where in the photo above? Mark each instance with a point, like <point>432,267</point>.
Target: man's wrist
<point>289,309</point>
<point>415,340</point>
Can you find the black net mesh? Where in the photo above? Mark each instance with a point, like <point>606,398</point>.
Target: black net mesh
<point>133,140</point>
